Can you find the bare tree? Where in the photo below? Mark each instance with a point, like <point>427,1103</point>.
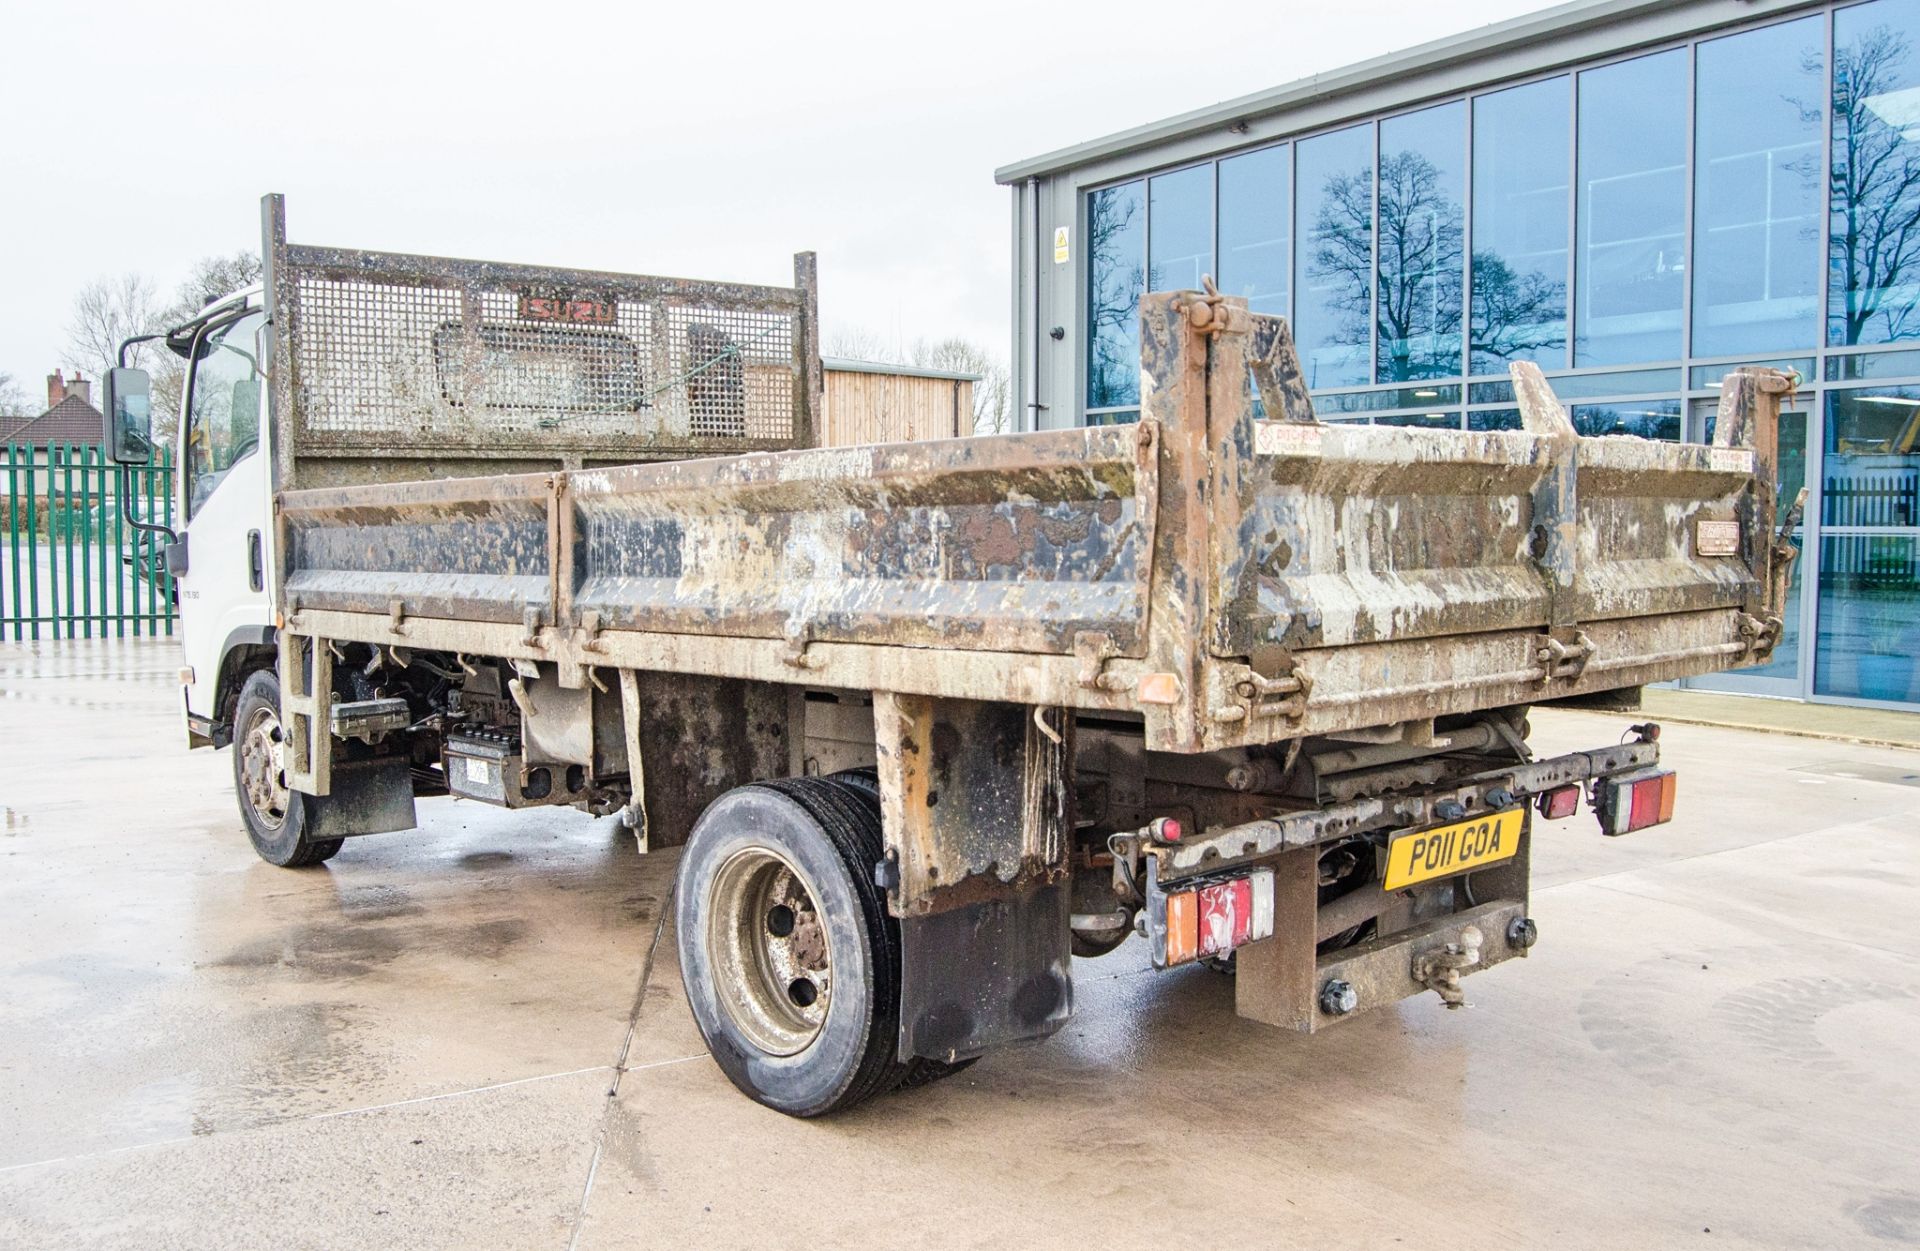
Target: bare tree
<point>1874,194</point>
<point>1414,291</point>
<point>1517,313</point>
<point>857,343</point>
<point>210,279</point>
<point>105,312</point>
<point>990,412</point>
<point>13,398</point>
<point>1113,304</point>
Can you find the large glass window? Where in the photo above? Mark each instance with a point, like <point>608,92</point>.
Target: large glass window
<point>1256,236</point>
<point>1179,229</point>
<point>1869,616</point>
<point>1759,121</point>
<point>1420,241</point>
<point>1647,419</point>
<point>1873,208</point>
<point>1116,267</point>
<point>1522,154</point>
<point>1334,209</point>
<point>223,416</point>
<point>1631,215</point>
<point>1869,607</point>
<point>1872,466</point>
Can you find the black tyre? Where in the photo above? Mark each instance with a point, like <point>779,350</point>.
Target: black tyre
<point>790,960</point>
<point>275,815</point>
<point>864,781</point>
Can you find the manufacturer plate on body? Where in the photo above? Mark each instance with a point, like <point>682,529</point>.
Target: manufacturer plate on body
<point>1287,438</point>
<point>1446,850</point>
<point>1716,538</point>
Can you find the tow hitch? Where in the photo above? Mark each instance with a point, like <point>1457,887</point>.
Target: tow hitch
<point>1439,971</point>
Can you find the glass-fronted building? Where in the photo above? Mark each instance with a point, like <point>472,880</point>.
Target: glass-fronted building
<point>1636,196</point>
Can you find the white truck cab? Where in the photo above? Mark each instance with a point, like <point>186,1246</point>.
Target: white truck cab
<point>221,555</point>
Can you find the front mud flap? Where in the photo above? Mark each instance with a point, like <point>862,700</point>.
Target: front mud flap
<point>1312,994</point>
<point>985,973</point>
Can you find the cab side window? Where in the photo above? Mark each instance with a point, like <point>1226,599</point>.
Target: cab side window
<point>224,406</point>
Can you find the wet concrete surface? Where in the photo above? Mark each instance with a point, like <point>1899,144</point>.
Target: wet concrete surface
<point>1717,1042</point>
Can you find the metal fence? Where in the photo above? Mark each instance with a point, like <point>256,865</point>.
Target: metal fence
<point>71,564</point>
<point>1865,498</point>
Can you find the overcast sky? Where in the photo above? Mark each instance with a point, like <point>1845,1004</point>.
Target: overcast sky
<point>696,139</point>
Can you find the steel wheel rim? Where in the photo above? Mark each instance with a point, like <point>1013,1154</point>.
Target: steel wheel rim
<point>263,776</point>
<point>773,965</point>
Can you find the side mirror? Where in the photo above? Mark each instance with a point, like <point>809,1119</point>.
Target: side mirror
<point>129,416</point>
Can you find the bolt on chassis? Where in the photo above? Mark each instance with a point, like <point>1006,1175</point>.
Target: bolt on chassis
<point>924,720</point>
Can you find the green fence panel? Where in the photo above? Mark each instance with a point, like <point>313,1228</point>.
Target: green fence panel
<point>75,565</point>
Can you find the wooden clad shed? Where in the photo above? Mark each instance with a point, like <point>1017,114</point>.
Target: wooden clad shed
<point>868,402</point>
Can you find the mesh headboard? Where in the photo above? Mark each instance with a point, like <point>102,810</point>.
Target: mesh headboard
<point>383,357</point>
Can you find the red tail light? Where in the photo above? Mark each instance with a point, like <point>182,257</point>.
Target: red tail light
<point>1209,918</point>
<point>1226,911</point>
<point>1561,801</point>
<point>1634,801</point>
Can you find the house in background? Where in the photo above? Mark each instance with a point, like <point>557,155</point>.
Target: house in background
<point>70,418</point>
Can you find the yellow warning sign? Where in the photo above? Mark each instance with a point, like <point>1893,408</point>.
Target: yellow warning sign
<point>1059,245</point>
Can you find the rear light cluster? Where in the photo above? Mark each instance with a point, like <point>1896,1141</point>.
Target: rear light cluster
<point>1561,801</point>
<point>1634,801</point>
<point>1213,917</point>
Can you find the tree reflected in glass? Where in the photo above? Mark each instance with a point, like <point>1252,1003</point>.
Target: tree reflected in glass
<point>1116,228</point>
<point>1873,235</point>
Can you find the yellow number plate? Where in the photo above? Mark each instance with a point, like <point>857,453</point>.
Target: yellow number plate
<point>1449,849</point>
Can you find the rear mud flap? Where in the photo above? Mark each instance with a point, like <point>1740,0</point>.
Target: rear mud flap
<point>985,973</point>
<point>368,797</point>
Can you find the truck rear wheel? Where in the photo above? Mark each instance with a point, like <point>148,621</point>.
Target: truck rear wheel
<point>864,781</point>
<point>790,960</point>
<point>275,814</point>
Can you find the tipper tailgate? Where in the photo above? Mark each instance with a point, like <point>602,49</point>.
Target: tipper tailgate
<point>1359,576</point>
<point>1362,534</point>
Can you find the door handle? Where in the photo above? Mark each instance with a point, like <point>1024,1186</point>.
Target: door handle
<point>256,567</point>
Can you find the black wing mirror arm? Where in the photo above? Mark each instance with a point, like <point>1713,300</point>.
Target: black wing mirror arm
<point>123,478</point>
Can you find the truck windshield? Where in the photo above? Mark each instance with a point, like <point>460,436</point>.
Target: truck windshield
<point>223,413</point>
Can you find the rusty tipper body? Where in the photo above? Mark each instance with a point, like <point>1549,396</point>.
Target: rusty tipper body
<point>929,718</point>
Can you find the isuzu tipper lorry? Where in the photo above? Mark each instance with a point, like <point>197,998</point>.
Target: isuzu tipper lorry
<point>926,720</point>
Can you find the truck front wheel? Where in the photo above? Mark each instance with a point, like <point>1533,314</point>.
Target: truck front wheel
<point>790,960</point>
<point>275,814</point>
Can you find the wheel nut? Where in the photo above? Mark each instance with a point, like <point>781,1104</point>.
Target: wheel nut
<point>1337,998</point>
<point>1523,933</point>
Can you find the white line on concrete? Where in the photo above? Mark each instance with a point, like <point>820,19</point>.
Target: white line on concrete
<point>620,1069</point>
<point>451,1094</point>
<point>661,1064</point>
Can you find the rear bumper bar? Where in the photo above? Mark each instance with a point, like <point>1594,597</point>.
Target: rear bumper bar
<point>1221,848</point>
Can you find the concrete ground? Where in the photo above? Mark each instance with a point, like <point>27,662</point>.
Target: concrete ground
<point>1716,1044</point>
